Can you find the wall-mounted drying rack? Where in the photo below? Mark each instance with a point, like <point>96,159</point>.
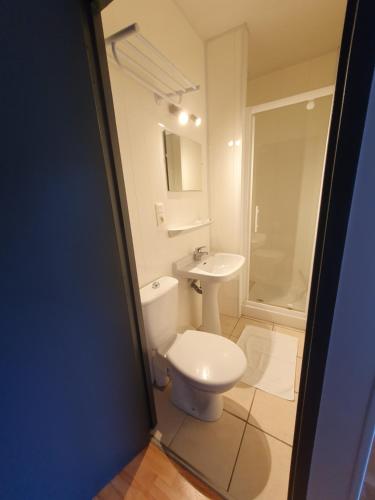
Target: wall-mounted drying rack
<point>146,64</point>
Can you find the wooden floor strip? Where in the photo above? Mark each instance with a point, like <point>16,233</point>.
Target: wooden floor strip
<point>152,475</point>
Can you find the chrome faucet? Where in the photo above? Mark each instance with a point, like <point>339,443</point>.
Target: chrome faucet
<point>198,253</point>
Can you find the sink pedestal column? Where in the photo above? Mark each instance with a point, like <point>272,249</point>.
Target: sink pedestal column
<point>210,307</point>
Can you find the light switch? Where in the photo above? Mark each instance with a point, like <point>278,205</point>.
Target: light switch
<point>160,213</point>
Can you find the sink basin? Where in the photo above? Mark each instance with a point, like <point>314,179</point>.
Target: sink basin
<point>211,271</point>
<point>214,268</point>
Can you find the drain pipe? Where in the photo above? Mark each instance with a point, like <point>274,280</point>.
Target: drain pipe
<point>196,287</point>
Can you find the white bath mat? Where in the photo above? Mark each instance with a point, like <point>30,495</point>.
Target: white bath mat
<point>271,360</point>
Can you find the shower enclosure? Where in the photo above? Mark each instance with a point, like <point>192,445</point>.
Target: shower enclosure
<point>287,146</point>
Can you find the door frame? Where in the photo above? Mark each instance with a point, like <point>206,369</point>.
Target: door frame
<point>347,124</point>
<point>353,85</point>
<point>99,72</point>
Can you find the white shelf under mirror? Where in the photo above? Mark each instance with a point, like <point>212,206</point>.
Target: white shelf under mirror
<point>175,230</point>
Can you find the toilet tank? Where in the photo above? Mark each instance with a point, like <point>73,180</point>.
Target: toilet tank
<point>159,306</point>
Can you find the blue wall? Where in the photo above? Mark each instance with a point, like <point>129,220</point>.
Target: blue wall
<point>73,409</point>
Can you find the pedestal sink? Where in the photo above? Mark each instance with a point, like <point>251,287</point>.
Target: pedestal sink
<point>211,271</point>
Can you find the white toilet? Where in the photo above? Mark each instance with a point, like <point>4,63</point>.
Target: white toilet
<point>201,365</point>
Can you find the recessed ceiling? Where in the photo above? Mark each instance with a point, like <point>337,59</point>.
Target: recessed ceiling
<point>281,32</point>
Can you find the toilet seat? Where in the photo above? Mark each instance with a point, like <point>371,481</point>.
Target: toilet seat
<point>209,361</point>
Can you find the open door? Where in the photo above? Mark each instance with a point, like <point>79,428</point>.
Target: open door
<point>74,406</point>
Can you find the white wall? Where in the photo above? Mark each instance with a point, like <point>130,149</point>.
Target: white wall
<point>140,137</point>
<point>307,75</point>
<point>226,99</point>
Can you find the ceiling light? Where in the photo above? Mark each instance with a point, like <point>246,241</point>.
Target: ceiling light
<point>237,142</point>
<point>230,143</point>
<point>310,105</point>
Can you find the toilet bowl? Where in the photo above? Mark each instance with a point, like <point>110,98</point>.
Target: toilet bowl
<point>201,365</point>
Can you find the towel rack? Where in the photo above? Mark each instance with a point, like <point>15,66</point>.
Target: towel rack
<point>146,64</point>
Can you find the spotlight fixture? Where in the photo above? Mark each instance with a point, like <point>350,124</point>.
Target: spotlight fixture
<point>173,109</point>
<point>237,142</point>
<point>183,117</point>
<point>310,105</point>
<point>230,143</point>
<point>197,120</point>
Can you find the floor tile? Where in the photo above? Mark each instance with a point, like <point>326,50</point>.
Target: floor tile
<point>227,324</point>
<point>299,334</point>
<point>242,322</point>
<point>298,374</point>
<point>274,415</point>
<point>238,400</point>
<point>262,468</point>
<point>210,447</point>
<point>169,417</point>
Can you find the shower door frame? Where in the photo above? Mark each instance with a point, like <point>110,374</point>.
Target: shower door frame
<point>260,310</point>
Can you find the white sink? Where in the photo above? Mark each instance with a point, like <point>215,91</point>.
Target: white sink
<point>214,268</point>
<point>211,271</point>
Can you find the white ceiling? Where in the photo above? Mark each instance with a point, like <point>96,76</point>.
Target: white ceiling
<point>281,32</point>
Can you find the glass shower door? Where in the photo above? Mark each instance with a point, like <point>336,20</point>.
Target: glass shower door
<point>289,146</point>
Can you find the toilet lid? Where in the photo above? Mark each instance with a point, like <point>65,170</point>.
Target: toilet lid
<point>207,358</point>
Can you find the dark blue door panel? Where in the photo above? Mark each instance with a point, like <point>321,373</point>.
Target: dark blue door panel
<point>73,408</point>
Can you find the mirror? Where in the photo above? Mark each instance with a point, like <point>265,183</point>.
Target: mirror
<point>183,161</point>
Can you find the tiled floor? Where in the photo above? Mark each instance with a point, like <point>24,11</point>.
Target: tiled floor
<point>247,452</point>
